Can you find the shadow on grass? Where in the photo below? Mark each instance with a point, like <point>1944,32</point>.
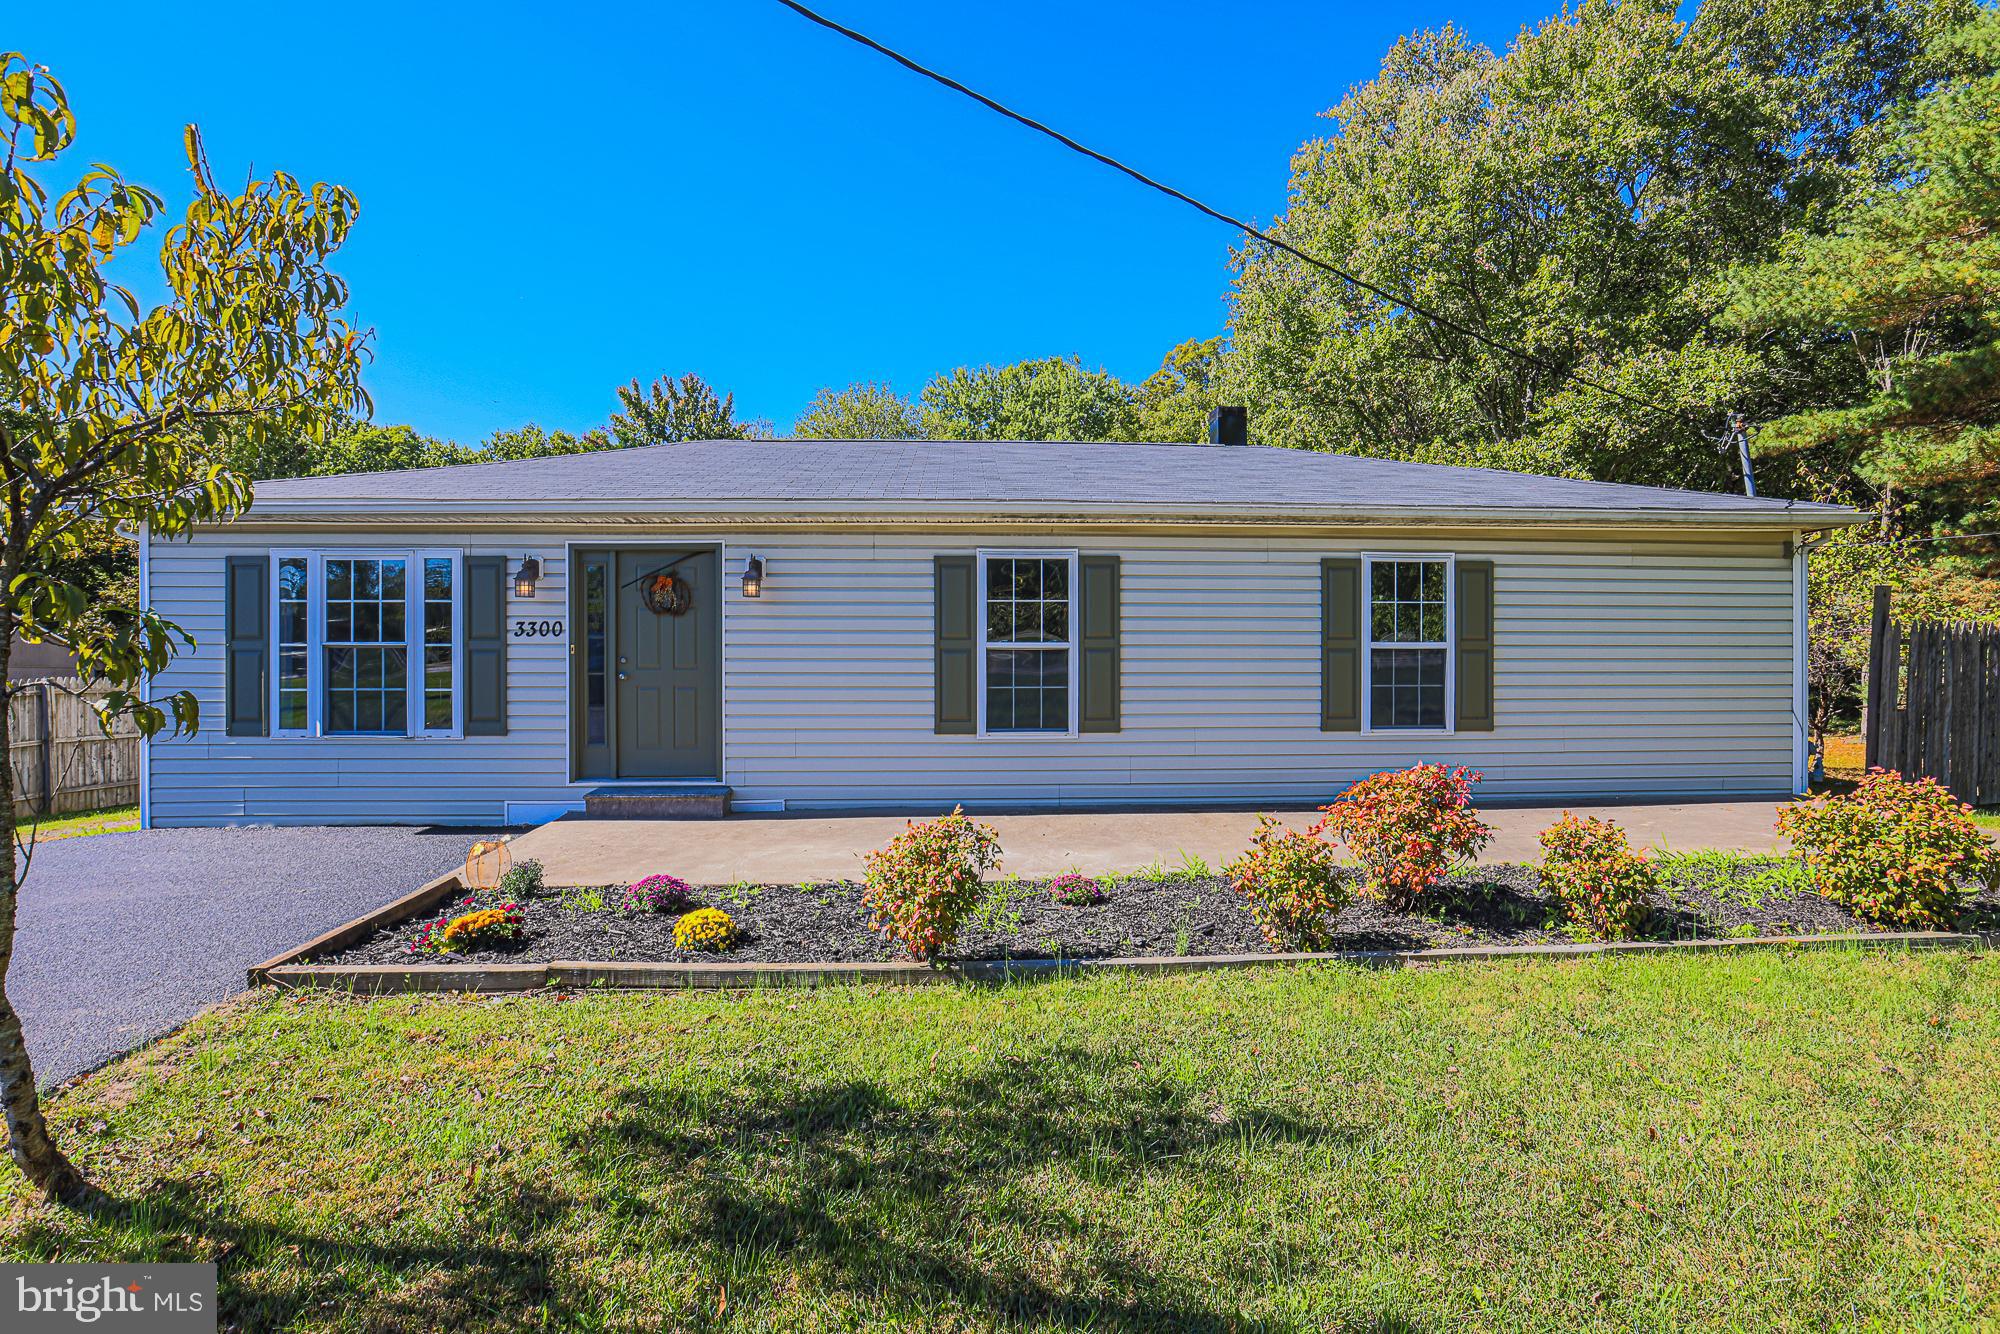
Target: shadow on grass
<point>954,1199</point>
<point>493,1274</point>
<point>1020,1192</point>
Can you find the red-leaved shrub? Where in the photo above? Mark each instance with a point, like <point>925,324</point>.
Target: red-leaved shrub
<point>926,882</point>
<point>1892,851</point>
<point>1294,886</point>
<point>1604,887</point>
<point>1407,828</point>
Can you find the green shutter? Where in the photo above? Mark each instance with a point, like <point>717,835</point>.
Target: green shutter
<point>1340,646</point>
<point>247,645</point>
<point>486,646</point>
<point>957,643</point>
<point>1098,616</point>
<point>1475,646</point>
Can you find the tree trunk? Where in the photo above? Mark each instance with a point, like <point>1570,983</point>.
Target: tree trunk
<point>27,1133</point>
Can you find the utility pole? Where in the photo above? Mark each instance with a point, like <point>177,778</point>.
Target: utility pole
<point>1739,428</point>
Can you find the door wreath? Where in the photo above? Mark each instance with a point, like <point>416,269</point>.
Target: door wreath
<point>666,594</point>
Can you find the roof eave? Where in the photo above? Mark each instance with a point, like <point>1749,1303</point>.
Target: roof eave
<point>278,511</point>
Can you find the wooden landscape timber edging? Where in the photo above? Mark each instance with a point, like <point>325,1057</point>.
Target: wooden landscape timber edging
<point>385,979</point>
<point>416,901</point>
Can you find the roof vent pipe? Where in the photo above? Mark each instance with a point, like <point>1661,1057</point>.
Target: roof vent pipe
<point>1228,426</point>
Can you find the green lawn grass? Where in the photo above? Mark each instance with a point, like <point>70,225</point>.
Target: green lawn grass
<point>1759,1141</point>
<point>110,820</point>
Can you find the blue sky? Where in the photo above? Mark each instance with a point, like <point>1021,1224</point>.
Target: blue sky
<point>558,198</point>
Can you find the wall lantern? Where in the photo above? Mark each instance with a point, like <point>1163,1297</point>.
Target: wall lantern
<point>753,577</point>
<point>524,578</point>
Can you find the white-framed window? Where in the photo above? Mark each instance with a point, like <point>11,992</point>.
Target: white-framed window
<point>367,643</point>
<point>1407,672</point>
<point>437,592</point>
<point>1027,643</point>
<point>293,711</point>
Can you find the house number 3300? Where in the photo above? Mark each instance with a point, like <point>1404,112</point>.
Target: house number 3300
<point>538,629</point>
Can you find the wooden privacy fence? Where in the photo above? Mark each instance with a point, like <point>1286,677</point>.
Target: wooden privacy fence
<point>1934,703</point>
<point>61,759</point>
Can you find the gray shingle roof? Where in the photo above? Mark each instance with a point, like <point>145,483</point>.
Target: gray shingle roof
<point>1009,475</point>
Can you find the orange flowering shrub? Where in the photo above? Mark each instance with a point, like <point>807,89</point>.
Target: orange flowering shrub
<point>1407,828</point>
<point>926,882</point>
<point>1603,885</point>
<point>1293,884</point>
<point>1892,851</point>
<point>470,927</point>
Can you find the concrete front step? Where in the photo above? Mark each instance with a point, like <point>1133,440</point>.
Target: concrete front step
<point>658,801</point>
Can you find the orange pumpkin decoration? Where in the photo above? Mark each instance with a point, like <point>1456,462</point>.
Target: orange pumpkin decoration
<point>486,862</point>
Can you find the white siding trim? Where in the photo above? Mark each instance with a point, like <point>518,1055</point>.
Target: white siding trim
<point>414,611</point>
<point>980,557</point>
<point>1801,767</point>
<point>1368,559</point>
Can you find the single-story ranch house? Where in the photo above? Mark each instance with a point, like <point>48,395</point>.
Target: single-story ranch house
<point>904,624</point>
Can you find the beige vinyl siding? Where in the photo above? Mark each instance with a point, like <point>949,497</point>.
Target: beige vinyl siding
<point>1645,667</point>
<point>1640,668</point>
<point>218,779</point>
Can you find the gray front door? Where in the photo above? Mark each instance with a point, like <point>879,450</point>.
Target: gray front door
<point>667,670</point>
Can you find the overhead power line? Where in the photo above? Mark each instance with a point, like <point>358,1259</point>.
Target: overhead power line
<point>1919,541</point>
<point>1400,302</point>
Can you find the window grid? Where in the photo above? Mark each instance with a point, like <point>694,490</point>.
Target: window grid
<point>596,665</point>
<point>366,645</point>
<point>1026,605</point>
<point>1408,647</point>
<point>294,643</point>
<point>440,667</point>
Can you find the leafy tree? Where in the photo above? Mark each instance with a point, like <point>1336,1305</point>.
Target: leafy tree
<point>532,442</point>
<point>1905,292</point>
<point>110,417</point>
<point>1528,455</point>
<point>683,409</point>
<point>1053,398</point>
<point>362,447</point>
<point>864,411</point>
<point>672,410</point>
<point>270,453</point>
<point>1578,198</point>
<point>1173,402</point>
<point>346,445</point>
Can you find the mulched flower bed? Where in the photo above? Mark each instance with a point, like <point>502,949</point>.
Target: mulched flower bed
<point>825,923</point>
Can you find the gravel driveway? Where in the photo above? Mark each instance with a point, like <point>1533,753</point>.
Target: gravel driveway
<point>123,936</point>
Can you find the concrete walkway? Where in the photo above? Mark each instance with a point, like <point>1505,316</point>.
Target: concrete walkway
<point>780,849</point>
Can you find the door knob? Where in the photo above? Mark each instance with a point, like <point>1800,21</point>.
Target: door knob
<point>621,676</point>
